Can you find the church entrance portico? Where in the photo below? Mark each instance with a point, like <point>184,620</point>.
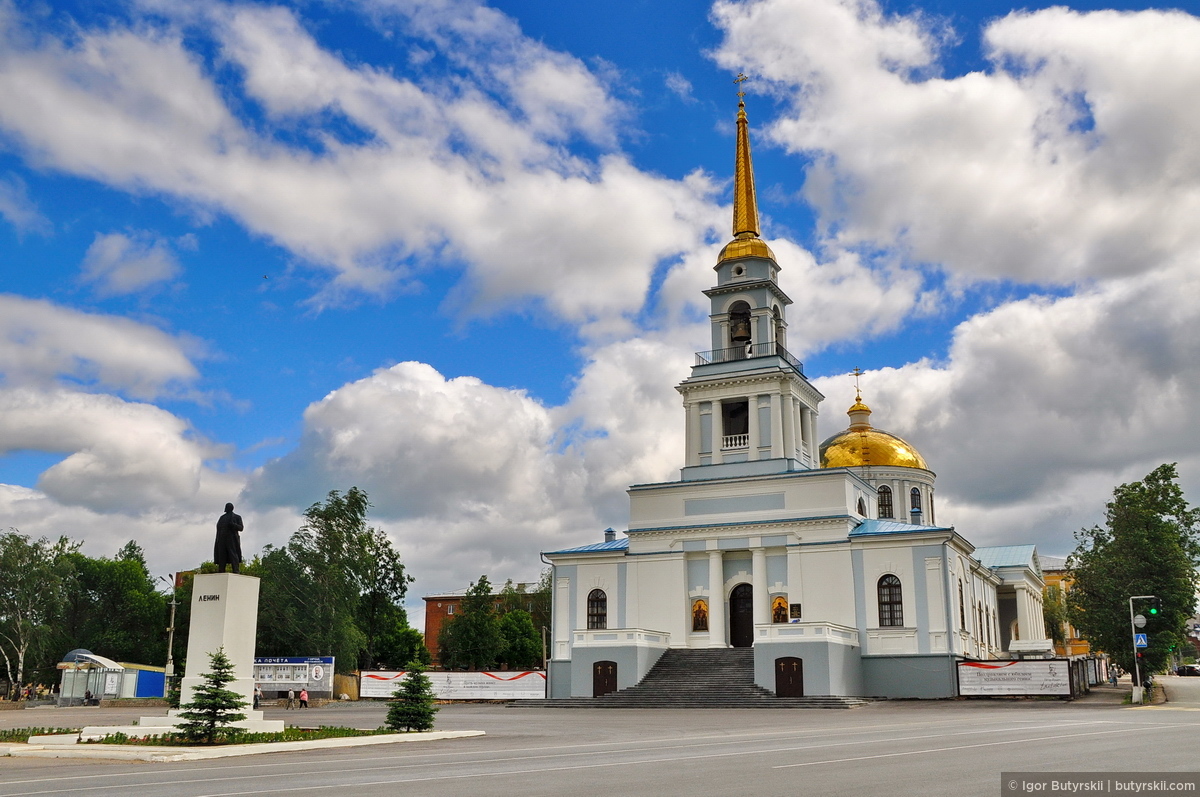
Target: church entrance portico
<point>741,616</point>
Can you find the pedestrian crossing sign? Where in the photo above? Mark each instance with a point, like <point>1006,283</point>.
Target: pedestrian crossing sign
<point>1139,641</point>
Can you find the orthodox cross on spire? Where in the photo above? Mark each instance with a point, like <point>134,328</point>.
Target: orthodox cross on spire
<point>857,391</point>
<point>745,203</point>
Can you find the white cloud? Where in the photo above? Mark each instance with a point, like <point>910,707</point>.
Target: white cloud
<point>118,264</point>
<point>449,175</point>
<point>1072,159</point>
<point>680,86</point>
<point>18,210</point>
<point>41,343</point>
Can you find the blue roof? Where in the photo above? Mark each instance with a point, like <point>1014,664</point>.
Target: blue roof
<point>1008,556</point>
<point>871,526</point>
<point>599,547</point>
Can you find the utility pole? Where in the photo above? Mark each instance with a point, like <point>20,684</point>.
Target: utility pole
<point>1137,670</point>
<point>169,670</point>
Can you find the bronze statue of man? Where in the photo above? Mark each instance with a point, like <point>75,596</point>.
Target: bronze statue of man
<point>228,548</point>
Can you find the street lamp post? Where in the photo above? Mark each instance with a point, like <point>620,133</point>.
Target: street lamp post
<point>1137,671</point>
<point>169,670</point>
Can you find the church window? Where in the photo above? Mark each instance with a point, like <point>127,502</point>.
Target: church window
<point>885,501</point>
<point>862,507</point>
<point>891,604</point>
<point>962,607</point>
<point>914,500</point>
<point>597,609</point>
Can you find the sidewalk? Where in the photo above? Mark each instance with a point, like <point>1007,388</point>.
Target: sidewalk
<point>1105,695</point>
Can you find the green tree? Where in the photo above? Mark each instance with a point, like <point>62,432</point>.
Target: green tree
<point>1149,545</point>
<point>380,613</point>
<point>32,597</point>
<point>413,708</point>
<point>472,639</point>
<point>114,608</point>
<point>335,589</point>
<point>1054,613</point>
<point>522,642</point>
<point>213,709</point>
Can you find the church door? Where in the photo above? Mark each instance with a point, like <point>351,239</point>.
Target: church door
<point>789,677</point>
<point>604,678</point>
<point>741,616</point>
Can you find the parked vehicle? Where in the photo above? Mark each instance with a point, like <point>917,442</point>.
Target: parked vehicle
<point>1188,669</point>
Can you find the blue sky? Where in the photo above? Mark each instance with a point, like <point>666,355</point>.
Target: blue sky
<point>452,253</point>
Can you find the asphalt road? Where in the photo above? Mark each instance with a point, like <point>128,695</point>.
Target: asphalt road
<point>895,748</point>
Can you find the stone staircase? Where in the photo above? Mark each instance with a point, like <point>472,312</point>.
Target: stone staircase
<point>700,678</point>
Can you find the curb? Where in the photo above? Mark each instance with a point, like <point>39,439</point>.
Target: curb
<point>168,754</point>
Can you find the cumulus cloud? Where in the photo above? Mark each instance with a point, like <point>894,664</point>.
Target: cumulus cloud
<point>117,264</point>
<point>473,174</point>
<point>1072,159</point>
<point>43,343</point>
<point>476,474</point>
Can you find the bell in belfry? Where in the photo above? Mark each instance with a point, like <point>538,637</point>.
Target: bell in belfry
<point>739,329</point>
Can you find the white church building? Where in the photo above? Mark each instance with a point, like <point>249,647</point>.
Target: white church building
<point>826,559</point>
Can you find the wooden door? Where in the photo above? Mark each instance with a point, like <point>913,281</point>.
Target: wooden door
<point>604,678</point>
<point>789,677</point>
<point>741,616</point>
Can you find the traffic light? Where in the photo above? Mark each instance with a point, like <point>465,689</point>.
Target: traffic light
<point>1155,606</point>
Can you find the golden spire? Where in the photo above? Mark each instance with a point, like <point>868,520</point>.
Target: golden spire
<point>746,242</point>
<point>745,203</point>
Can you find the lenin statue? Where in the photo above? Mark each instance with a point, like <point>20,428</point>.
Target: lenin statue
<point>228,548</point>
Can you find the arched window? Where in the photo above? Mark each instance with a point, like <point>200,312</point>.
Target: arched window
<point>862,507</point>
<point>739,324</point>
<point>885,501</point>
<point>914,500</point>
<point>597,609</point>
<point>891,603</point>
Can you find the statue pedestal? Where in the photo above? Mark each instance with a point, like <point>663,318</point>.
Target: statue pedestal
<point>224,615</point>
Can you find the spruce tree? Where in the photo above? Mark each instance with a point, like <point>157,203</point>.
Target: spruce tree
<point>413,708</point>
<point>214,709</point>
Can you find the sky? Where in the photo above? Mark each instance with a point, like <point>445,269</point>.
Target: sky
<point>453,253</point>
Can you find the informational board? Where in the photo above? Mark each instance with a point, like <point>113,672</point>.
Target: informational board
<point>1029,677</point>
<point>275,673</point>
<point>511,685</point>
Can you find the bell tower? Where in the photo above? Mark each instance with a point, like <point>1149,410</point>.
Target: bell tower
<point>750,409</point>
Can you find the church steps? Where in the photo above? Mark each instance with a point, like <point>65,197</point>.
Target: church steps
<point>701,678</point>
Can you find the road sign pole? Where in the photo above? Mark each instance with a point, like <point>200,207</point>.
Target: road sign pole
<point>1137,671</point>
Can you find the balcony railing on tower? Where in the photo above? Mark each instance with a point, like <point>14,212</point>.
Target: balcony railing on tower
<point>733,441</point>
<point>749,352</point>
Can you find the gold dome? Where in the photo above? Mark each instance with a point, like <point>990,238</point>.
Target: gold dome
<point>863,445</point>
<point>874,447</point>
<point>745,247</point>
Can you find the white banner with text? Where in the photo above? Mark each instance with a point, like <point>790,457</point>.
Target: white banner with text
<point>510,685</point>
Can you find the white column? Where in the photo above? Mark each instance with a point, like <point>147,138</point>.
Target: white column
<point>776,428</point>
<point>718,430</point>
<point>752,408</point>
<point>789,428</point>
<point>693,433</point>
<point>716,600</point>
<point>798,425</point>
<point>807,419</point>
<point>758,581</point>
<point>1024,616</point>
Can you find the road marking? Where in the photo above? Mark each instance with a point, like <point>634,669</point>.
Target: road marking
<point>501,773</point>
<point>964,747</point>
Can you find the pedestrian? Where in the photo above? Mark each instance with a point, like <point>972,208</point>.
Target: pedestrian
<point>303,698</point>
<point>257,696</point>
<point>291,699</point>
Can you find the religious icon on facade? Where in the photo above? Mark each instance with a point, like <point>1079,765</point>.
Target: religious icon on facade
<point>700,615</point>
<point>779,609</point>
